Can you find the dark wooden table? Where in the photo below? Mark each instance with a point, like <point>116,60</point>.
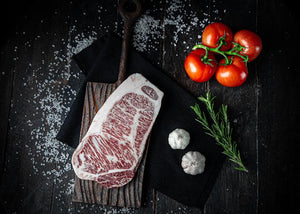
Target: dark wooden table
<point>39,81</point>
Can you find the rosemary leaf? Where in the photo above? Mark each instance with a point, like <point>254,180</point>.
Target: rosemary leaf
<point>220,129</point>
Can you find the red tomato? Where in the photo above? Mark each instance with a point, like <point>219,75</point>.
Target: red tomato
<point>197,69</point>
<point>212,34</point>
<point>234,74</point>
<point>251,41</point>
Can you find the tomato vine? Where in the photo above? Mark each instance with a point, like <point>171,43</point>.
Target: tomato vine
<point>235,51</point>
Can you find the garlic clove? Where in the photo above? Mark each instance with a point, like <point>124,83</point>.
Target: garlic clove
<point>193,163</point>
<point>179,139</point>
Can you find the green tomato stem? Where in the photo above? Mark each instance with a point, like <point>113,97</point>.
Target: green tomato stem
<point>215,50</point>
<point>232,52</point>
<point>236,53</point>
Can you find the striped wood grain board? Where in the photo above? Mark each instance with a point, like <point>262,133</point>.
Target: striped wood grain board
<point>87,191</point>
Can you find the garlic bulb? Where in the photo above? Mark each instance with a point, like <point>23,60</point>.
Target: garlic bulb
<point>193,163</point>
<point>179,139</point>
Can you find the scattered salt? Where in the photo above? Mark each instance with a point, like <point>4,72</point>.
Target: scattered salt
<point>148,31</point>
<point>53,95</point>
<point>51,99</point>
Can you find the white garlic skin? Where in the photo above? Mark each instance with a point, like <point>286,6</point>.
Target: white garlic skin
<point>179,139</point>
<point>193,163</point>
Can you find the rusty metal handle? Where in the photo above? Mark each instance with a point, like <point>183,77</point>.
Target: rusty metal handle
<point>128,17</point>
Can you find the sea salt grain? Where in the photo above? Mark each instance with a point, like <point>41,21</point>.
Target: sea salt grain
<point>145,29</point>
<point>149,31</point>
<point>52,95</point>
<point>51,98</point>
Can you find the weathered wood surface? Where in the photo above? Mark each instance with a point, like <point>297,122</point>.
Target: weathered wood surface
<point>39,81</point>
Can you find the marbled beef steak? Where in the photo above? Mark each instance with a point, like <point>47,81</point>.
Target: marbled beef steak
<point>111,150</point>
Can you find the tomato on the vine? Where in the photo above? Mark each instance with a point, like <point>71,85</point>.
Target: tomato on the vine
<point>233,74</point>
<point>250,41</point>
<point>212,34</point>
<point>199,68</point>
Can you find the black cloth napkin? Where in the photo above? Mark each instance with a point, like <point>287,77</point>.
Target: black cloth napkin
<point>100,63</point>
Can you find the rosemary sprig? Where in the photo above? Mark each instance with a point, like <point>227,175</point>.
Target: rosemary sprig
<point>220,129</point>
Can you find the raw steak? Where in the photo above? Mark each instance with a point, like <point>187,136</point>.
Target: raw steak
<point>112,149</point>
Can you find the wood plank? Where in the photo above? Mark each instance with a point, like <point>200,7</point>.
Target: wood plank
<point>6,82</point>
<point>36,164</point>
<point>236,192</point>
<point>22,180</point>
<point>278,128</point>
<point>183,25</point>
<point>148,40</point>
<point>232,97</point>
<point>90,191</point>
<point>147,203</point>
<point>91,20</point>
<point>8,20</point>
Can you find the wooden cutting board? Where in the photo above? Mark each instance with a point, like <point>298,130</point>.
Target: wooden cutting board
<point>87,191</point>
